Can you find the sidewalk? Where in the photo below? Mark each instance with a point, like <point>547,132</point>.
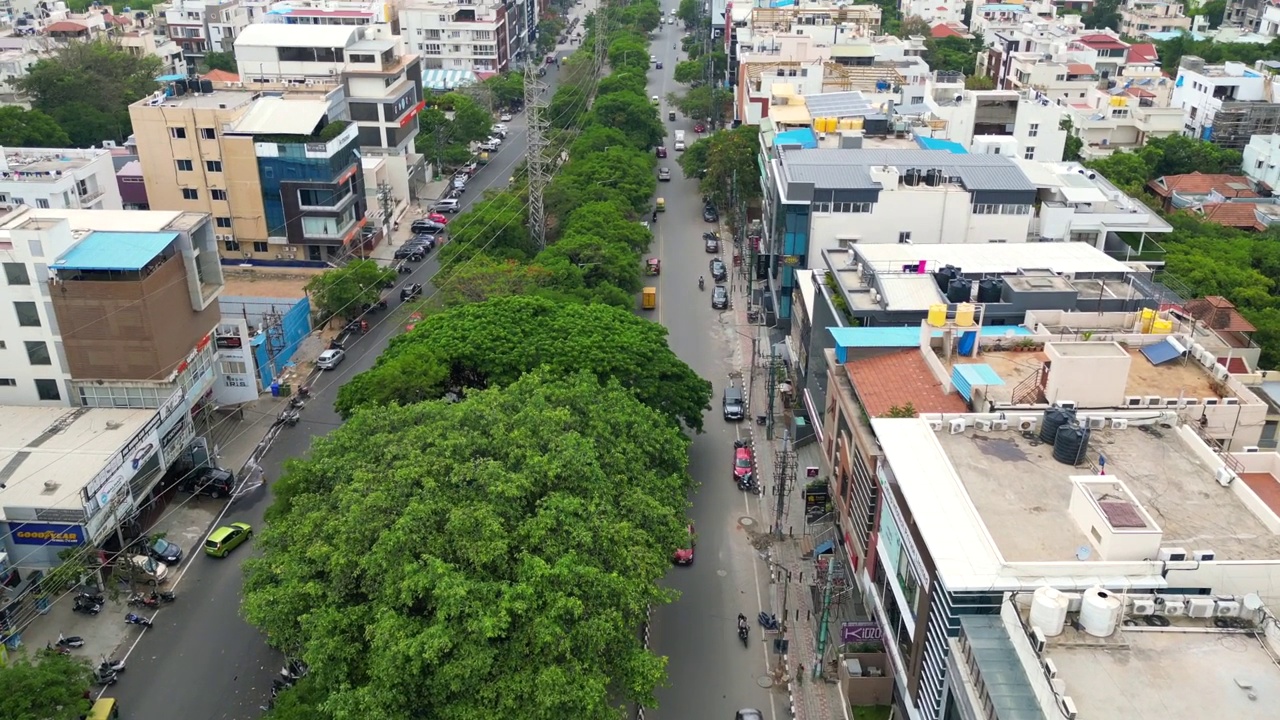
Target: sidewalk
<point>790,573</point>
<point>405,213</point>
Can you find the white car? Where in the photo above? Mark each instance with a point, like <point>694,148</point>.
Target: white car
<point>489,145</point>
<point>653,59</point>
<point>499,127</point>
<point>330,359</point>
<point>149,569</point>
<point>505,117</point>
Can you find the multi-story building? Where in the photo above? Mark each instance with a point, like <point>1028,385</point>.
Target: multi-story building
<point>333,12</point>
<point>1143,17</point>
<point>485,36</point>
<point>933,12</point>
<point>202,26</point>
<point>1123,118</point>
<point>1262,162</point>
<point>1246,14</point>
<point>55,178</point>
<point>132,185</point>
<point>1008,122</point>
<point>1227,104</point>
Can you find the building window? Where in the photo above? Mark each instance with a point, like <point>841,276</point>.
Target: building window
<point>430,48</point>
<point>260,247</point>
<point>16,274</point>
<point>1029,153</point>
<point>36,247</point>
<point>208,134</point>
<point>42,203</point>
<point>178,133</point>
<point>213,165</point>
<point>218,194</point>
<point>231,245</point>
<point>47,390</point>
<point>1033,130</point>
<point>38,352</point>
<point>184,165</point>
<point>28,315</point>
<point>904,237</point>
<point>222,222</point>
<point>190,194</point>
<point>8,382</point>
<point>822,207</point>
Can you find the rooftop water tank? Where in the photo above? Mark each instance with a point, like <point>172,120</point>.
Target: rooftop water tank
<point>959,290</point>
<point>989,290</point>
<point>1071,444</point>
<point>1054,418</point>
<point>1049,611</point>
<point>1099,611</point>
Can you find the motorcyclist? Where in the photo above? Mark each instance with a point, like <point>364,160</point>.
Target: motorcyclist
<point>742,621</point>
<point>655,216</point>
<point>702,285</point>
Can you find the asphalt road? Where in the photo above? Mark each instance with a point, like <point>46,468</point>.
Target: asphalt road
<point>710,674</point>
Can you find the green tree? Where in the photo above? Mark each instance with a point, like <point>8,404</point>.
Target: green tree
<point>343,292</point>
<point>697,71</point>
<point>567,106</point>
<point>979,82</point>
<point>1073,145</point>
<point>1179,155</point>
<point>226,61</point>
<point>495,342</point>
<point>49,686</point>
<point>631,113</point>
<point>618,173</point>
<point>436,140</point>
<point>726,162</point>
<point>688,12</point>
<point>470,121</point>
<point>954,54</point>
<point>1103,14</point>
<point>912,25</point>
<point>597,138</point>
<point>30,128</point>
<point>609,221</point>
<point>507,89</point>
<point>629,52</point>
<point>1214,10</point>
<point>93,81</point>
<point>629,80</point>
<point>494,226</point>
<point>549,29</point>
<point>484,277</point>
<point>599,262</point>
<point>485,558</point>
<point>703,101</point>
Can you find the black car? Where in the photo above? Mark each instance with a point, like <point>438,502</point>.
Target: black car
<point>712,243</point>
<point>212,481</point>
<point>710,215</point>
<point>719,298</point>
<point>734,407</point>
<point>423,226</point>
<point>162,550</point>
<point>719,271</point>
<point>410,291</point>
<point>426,241</point>
<point>409,252</point>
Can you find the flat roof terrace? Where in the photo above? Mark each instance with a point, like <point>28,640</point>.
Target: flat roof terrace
<point>1169,380</point>
<point>1022,494</point>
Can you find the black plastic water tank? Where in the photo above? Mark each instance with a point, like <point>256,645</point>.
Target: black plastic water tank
<point>206,86</point>
<point>1071,445</point>
<point>989,290</point>
<point>959,290</point>
<point>1054,418</point>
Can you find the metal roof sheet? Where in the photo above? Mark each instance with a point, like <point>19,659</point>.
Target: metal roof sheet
<point>115,251</point>
<point>841,169</point>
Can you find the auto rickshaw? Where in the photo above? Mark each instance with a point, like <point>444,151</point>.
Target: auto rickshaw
<point>671,116</point>
<point>649,298</point>
<point>661,205</point>
<point>104,709</point>
<point>652,266</point>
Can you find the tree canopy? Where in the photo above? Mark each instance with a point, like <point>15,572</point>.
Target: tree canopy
<point>726,162</point>
<point>631,113</point>
<point>48,686</point>
<point>494,226</point>
<point>343,292</point>
<point>616,174</point>
<point>214,60</point>
<point>495,342</point>
<point>30,128</point>
<point>448,127</point>
<point>486,558</point>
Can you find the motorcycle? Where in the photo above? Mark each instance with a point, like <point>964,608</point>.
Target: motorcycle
<point>304,391</point>
<point>289,417</point>
<point>702,283</point>
<point>747,482</point>
<point>164,596</point>
<point>105,678</point>
<point>768,621</point>
<point>132,619</point>
<point>293,671</point>
<point>75,641</point>
<point>297,402</point>
<point>86,606</point>
<point>96,598</point>
<point>743,629</point>
<point>110,666</point>
<point>139,600</point>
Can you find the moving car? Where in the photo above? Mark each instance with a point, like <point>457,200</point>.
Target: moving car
<point>684,554</point>
<point>660,151</point>
<point>410,291</point>
<point>148,570</point>
<point>505,117</point>
<point>743,462</point>
<point>699,127</point>
<point>710,214</point>
<point>215,482</point>
<point>655,100</point>
<point>162,550</point>
<point>330,359</point>
<point>664,174</point>
<point>719,298</point>
<point>748,714</point>
<point>222,541</point>
<point>732,403</point>
<point>718,269</point>
<point>657,65</point>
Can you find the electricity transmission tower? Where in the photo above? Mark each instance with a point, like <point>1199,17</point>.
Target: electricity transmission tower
<point>535,106</point>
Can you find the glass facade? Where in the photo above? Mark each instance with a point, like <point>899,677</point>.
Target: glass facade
<point>293,166</point>
<point>794,234</point>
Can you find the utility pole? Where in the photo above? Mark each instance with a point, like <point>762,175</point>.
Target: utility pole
<point>833,572</point>
<point>784,473</point>
<point>601,50</point>
<point>771,383</point>
<point>388,205</point>
<point>536,160</point>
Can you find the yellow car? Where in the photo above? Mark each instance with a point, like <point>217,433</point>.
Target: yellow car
<point>227,538</point>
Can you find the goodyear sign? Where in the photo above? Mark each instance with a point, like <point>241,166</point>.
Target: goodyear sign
<point>46,534</point>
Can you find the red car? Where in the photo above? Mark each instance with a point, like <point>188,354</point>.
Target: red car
<point>699,128</point>
<point>660,151</point>
<point>684,554</point>
<point>743,462</point>
<point>437,217</point>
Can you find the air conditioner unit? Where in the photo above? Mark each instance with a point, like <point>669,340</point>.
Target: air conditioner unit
<point>1172,402</point>
<point>1132,401</point>
<point>1188,402</point>
<point>935,425</point>
<point>984,425</point>
<point>1000,424</point>
<point>957,426</point>
<point>1069,708</point>
<point>1231,401</point>
<point>1028,424</point>
<point>1172,554</point>
<point>1119,424</point>
<point>1173,609</point>
<point>1200,608</point>
<point>1226,608</point>
<point>1203,555</point>
<point>1224,476</point>
<point>1143,608</point>
<point>1050,669</point>
<point>1154,401</point>
<point>1211,401</point>
<point>1220,373</point>
<point>279,256</point>
<point>1037,640</point>
<point>1067,404</point>
<point>1251,448</point>
<point>1097,423</point>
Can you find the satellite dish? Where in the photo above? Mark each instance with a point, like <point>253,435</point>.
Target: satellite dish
<point>1083,553</point>
<point>1252,602</point>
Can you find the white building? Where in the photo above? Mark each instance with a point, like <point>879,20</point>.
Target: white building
<point>1262,161</point>
<point>485,36</point>
<point>202,26</point>
<point>1202,90</point>
<point>330,12</point>
<point>933,11</point>
<point>54,178</point>
<point>1144,17</point>
<point>1006,122</point>
<point>1121,119</point>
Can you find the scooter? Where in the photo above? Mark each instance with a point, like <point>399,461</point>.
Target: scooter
<point>93,597</point>
<point>768,621</point>
<point>75,641</point>
<point>137,620</point>
<point>743,629</point>
<point>86,606</point>
<point>289,417</point>
<point>105,678</point>
<point>297,402</point>
<point>747,482</point>
<point>112,666</point>
<point>293,671</point>
<point>140,600</point>
<point>164,596</point>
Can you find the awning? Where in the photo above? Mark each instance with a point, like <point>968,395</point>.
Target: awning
<point>442,80</point>
<point>1083,194</point>
<point>1163,351</point>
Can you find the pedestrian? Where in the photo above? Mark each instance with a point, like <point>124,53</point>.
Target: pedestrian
<point>800,674</point>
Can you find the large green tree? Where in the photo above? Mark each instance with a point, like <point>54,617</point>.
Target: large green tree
<point>483,277</point>
<point>629,52</point>
<point>30,128</point>
<point>598,262</point>
<point>492,557</point>
<point>629,80</point>
<point>225,61</point>
<point>48,686</point>
<point>88,87</point>
<point>495,342</point>
<point>703,102</point>
<point>494,226</point>
<point>726,162</point>
<point>343,292</point>
<point>609,222</point>
<point>631,113</point>
<point>507,89</point>
<point>618,173</point>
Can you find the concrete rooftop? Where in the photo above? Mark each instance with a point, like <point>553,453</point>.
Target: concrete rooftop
<point>1022,494</point>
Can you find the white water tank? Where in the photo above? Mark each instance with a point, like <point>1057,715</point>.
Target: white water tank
<point>1099,612</point>
<point>1049,611</point>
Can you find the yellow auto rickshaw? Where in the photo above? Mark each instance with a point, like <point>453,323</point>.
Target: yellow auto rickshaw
<point>649,298</point>
<point>662,205</point>
<point>104,709</point>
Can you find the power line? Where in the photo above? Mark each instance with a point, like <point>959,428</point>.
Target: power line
<point>535,158</point>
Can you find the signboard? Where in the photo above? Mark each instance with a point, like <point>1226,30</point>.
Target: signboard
<point>175,440</point>
<point>172,405</point>
<point>816,497</point>
<point>117,473</point>
<point>861,632</point>
<point>56,515</point>
<point>46,534</point>
<point>913,555</point>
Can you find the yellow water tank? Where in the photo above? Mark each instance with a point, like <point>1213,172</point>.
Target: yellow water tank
<point>1117,101</point>
<point>964,314</point>
<point>938,314</point>
<point>1148,317</point>
<point>855,124</point>
<point>1162,327</point>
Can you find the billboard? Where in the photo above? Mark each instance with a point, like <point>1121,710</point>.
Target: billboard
<point>46,534</point>
<point>112,482</point>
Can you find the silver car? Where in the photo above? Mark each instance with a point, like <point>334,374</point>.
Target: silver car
<point>330,359</point>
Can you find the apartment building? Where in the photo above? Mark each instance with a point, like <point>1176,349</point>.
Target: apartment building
<point>1143,17</point>
<point>1123,118</point>
<point>485,36</point>
<point>933,11</point>
<point>1249,15</point>
<point>333,12</point>
<point>142,41</point>
<point>1262,162</point>
<point>1043,38</point>
<point>202,26</point>
<point>1227,104</point>
<point>1016,124</point>
<point>56,178</point>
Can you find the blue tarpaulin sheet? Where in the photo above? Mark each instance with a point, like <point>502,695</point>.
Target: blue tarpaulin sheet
<point>966,377</point>
<point>1163,351</point>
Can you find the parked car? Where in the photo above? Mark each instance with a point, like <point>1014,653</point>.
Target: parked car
<point>436,217</point>
<point>719,271</point>
<point>743,462</point>
<point>448,205</point>
<point>699,127</point>
<point>410,291</point>
<point>710,214</point>
<point>425,226</point>
<point>653,59</point>
<point>330,359</point>
<point>490,145</point>
<point>719,298</point>
<point>505,117</point>
<point>162,550</point>
<point>664,174</point>
<point>222,541</point>
<point>215,482</point>
<point>684,554</point>
<point>711,243</point>
<point>732,403</point>
<point>748,714</point>
<point>148,569</point>
<point>408,252</point>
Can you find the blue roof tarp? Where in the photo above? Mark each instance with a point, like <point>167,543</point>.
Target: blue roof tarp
<point>928,143</point>
<point>1163,351</point>
<point>803,137</point>
<point>967,377</point>
<point>115,251</point>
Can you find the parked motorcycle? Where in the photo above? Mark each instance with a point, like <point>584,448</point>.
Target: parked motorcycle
<point>137,620</point>
<point>105,678</point>
<point>86,606</point>
<point>94,597</point>
<point>289,416</point>
<point>75,641</point>
<point>293,671</point>
<point>109,665</point>
<point>768,621</point>
<point>164,596</point>
<point>140,600</point>
<point>297,402</point>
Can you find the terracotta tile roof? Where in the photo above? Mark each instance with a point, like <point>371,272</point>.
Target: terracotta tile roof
<point>942,30</point>
<point>118,20</point>
<point>1080,69</point>
<point>220,76</point>
<point>1235,365</point>
<point>1143,53</point>
<point>66,26</point>
<point>898,378</point>
<point>1218,313</point>
<point>1102,42</point>
<point>1233,214</point>
<point>1198,183</point>
<point>1139,92</point>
